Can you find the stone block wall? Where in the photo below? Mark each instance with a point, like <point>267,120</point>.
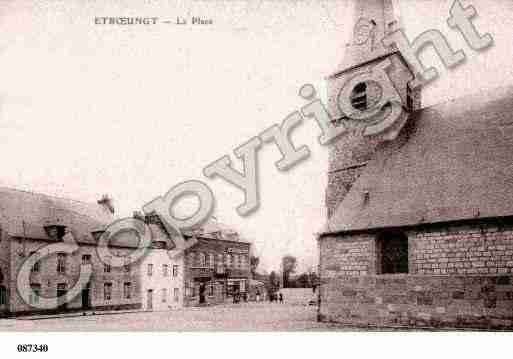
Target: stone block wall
<point>470,301</point>
<point>463,250</point>
<point>460,275</point>
<point>350,255</point>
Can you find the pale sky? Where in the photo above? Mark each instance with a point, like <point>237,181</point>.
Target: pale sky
<point>131,111</point>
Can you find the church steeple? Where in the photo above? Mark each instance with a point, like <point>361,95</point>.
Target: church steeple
<point>373,19</point>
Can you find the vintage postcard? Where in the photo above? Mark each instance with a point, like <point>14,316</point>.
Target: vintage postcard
<point>333,166</point>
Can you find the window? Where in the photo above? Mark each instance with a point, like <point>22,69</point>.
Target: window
<point>127,290</point>
<point>86,259</point>
<point>150,270</point>
<point>359,96</point>
<point>165,270</point>
<point>35,268</point>
<point>229,261</point>
<point>164,295</point>
<point>176,294</point>
<point>175,271</point>
<point>106,266</point>
<point>392,249</point>
<point>107,291</point>
<point>211,290</point>
<point>202,260</point>
<point>3,295</point>
<point>61,262</point>
<point>34,296</point>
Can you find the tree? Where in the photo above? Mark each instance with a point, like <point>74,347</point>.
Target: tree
<point>253,264</point>
<point>289,267</point>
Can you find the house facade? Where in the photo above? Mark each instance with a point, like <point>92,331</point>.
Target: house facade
<point>31,222</point>
<point>162,279</point>
<point>420,225</point>
<point>216,269</point>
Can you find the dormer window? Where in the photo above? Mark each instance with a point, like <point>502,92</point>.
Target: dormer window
<point>359,97</point>
<point>55,231</point>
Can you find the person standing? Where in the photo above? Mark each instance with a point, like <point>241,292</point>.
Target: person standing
<point>281,297</point>
<point>258,295</point>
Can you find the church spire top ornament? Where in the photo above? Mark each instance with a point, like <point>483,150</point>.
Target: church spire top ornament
<point>374,19</point>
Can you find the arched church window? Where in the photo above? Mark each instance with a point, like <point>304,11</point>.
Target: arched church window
<point>359,96</point>
<point>392,253</point>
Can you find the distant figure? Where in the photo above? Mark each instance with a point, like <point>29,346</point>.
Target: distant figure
<point>281,297</point>
<point>258,296</point>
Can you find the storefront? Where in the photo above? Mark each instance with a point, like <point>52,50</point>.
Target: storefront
<point>216,270</point>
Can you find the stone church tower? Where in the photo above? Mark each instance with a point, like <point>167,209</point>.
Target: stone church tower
<point>420,227</point>
<point>373,19</point>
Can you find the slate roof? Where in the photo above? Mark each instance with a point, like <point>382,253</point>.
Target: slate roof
<point>214,229</point>
<point>25,214</point>
<point>452,161</point>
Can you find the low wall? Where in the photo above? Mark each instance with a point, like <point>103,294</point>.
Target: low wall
<point>470,301</point>
<point>298,295</point>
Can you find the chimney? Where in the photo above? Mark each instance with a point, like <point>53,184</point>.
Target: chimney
<point>106,202</point>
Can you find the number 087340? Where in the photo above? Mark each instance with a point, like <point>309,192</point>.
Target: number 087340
<point>32,348</point>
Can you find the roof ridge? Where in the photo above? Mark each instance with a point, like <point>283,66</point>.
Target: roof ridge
<point>45,195</point>
<point>468,95</point>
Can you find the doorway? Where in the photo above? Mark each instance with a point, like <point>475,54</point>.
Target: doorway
<point>392,253</point>
<point>86,297</point>
<point>149,300</point>
<point>61,296</point>
<point>202,293</point>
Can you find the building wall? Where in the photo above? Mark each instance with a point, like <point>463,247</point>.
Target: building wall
<point>217,274</point>
<point>463,250</point>
<point>159,280</point>
<point>347,255</point>
<point>466,266</point>
<point>5,250</point>
<point>476,301</point>
<point>48,278</point>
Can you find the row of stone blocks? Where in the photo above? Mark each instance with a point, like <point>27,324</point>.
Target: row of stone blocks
<point>419,301</point>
